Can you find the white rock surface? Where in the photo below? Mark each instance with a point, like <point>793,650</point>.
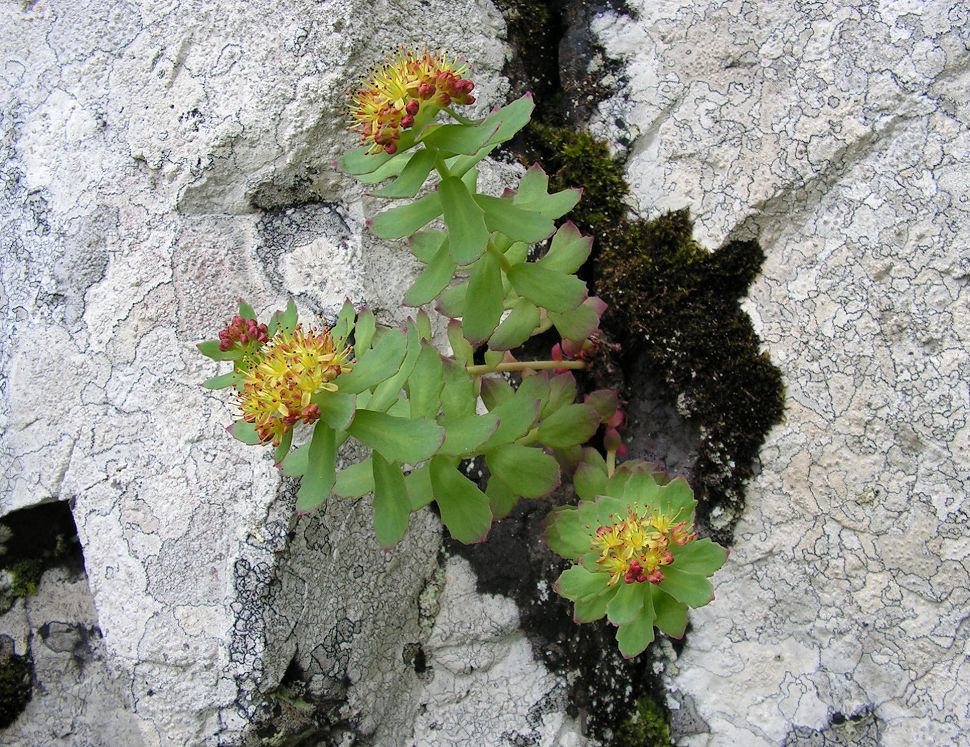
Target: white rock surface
<point>476,650</point>
<point>837,132</point>
<point>160,160</point>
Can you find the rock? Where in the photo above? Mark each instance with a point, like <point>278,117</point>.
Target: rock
<point>77,697</point>
<point>476,649</point>
<point>158,163</point>
<point>835,133</point>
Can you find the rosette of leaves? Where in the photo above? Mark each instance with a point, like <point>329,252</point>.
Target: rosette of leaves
<point>506,298</point>
<point>637,560</point>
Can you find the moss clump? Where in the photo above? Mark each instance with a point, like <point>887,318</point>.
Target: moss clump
<point>15,687</point>
<point>678,304</point>
<point>26,577</point>
<point>648,727</point>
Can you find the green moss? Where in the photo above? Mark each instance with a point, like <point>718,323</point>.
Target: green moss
<point>26,577</point>
<point>15,687</point>
<point>648,727</point>
<point>678,303</point>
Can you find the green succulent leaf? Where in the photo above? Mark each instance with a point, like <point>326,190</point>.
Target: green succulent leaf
<point>390,168</point>
<point>423,323</point>
<point>604,401</point>
<point>391,506</point>
<point>433,279</point>
<point>566,535</point>
<point>518,224</point>
<point>589,481</point>
<point>521,322</point>
<point>574,424</point>
<point>336,408</point>
<point>671,614</point>
<point>533,194</point>
<point>496,391</point>
<point>581,322</point>
<point>321,472</point>
<point>210,349</point>
<point>701,557</point>
<point>458,397</point>
<point>466,434</point>
<point>359,161</point>
<point>677,499</point>
<point>461,139</point>
<point>689,588</point>
<point>294,464</point>
<point>627,604</point>
<point>461,351</point>
<point>364,331</point>
<point>634,637</point>
<point>401,221</point>
<point>568,250</point>
<point>246,311</point>
<point>397,439</point>
<point>412,177</point>
<point>562,392</point>
<point>381,362</point>
<point>516,417</point>
<point>610,510</point>
<point>356,480</point>
<point>425,383</point>
<point>485,288</point>
<point>454,300</point>
<point>245,432</point>
<point>578,583</point>
<point>528,471</point>
<point>418,483</point>
<point>425,244</point>
<point>221,382</point>
<point>547,288</point>
<point>501,498</point>
<point>592,608</point>
<point>280,452</point>
<point>467,233</point>
<point>289,317</point>
<point>464,508</point>
<point>511,118</point>
<point>344,325</point>
<point>387,392</point>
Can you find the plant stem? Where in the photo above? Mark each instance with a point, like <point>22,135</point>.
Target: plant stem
<point>481,369</point>
<point>440,166</point>
<point>610,462</point>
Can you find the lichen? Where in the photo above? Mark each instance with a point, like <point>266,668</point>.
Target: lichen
<point>678,303</point>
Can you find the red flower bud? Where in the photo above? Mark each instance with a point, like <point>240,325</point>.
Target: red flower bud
<point>406,121</point>
<point>425,91</point>
<point>390,149</point>
<point>413,106</point>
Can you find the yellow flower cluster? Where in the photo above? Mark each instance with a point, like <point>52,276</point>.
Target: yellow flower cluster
<point>637,547</point>
<point>397,90</point>
<point>289,370</point>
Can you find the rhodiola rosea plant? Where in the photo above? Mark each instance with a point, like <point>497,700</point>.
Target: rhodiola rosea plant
<point>305,390</point>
